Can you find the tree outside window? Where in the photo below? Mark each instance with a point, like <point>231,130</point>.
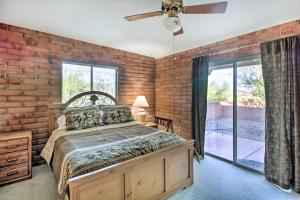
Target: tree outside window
<point>78,78</point>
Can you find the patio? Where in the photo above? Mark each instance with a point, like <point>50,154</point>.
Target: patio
<point>250,134</point>
<point>250,152</point>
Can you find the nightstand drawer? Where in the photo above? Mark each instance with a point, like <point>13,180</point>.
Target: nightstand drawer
<point>19,144</point>
<point>14,172</point>
<point>13,158</point>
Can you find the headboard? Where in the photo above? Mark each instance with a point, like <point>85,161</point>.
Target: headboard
<point>55,110</point>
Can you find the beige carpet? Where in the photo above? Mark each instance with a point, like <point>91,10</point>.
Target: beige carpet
<point>214,180</point>
<point>40,187</point>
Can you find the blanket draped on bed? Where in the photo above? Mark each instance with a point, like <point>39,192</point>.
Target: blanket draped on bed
<point>86,151</point>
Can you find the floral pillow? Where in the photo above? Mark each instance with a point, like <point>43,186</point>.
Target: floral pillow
<point>116,114</point>
<point>82,118</point>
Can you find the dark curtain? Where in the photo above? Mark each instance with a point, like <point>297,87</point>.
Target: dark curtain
<point>199,101</point>
<point>281,72</point>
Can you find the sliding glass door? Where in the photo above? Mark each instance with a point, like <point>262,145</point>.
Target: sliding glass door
<point>235,113</point>
<point>219,126</point>
<point>250,115</point>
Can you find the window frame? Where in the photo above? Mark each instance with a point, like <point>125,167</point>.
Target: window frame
<point>92,66</point>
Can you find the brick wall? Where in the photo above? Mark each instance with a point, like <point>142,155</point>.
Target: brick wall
<point>173,73</point>
<point>30,68</point>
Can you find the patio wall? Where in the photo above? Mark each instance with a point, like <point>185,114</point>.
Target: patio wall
<point>216,110</point>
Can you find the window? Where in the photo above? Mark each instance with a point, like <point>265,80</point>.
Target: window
<point>78,78</point>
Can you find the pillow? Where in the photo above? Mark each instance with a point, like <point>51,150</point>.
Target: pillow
<point>83,117</point>
<point>61,121</point>
<point>116,114</point>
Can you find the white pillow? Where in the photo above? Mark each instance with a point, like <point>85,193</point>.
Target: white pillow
<point>61,121</point>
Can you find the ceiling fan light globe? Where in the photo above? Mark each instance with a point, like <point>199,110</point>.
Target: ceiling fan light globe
<point>172,24</point>
<point>168,1</point>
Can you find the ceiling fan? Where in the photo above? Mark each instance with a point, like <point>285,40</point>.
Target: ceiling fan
<point>174,7</point>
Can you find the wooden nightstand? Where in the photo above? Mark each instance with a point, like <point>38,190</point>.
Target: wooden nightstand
<point>151,124</point>
<point>15,156</point>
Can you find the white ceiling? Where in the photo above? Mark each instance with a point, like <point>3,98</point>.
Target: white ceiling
<point>101,21</point>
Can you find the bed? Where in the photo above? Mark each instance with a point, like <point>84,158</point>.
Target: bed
<point>126,161</point>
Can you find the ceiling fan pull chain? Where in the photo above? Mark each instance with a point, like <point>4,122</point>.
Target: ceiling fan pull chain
<point>174,57</point>
<point>173,44</point>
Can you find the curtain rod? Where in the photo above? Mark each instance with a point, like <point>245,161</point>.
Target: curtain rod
<point>227,50</point>
<point>251,45</point>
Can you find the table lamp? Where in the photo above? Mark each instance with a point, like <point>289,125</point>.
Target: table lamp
<point>141,103</point>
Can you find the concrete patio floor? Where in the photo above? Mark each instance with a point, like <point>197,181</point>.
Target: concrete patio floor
<point>222,145</point>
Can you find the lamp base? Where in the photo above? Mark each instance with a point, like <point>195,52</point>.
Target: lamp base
<point>141,115</point>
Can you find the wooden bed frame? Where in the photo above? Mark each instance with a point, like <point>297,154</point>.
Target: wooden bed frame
<point>154,176</point>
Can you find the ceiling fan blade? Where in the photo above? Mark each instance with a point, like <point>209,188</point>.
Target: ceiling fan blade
<point>206,8</point>
<point>143,16</point>
<point>178,32</point>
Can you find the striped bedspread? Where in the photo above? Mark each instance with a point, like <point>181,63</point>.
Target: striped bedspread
<point>73,153</point>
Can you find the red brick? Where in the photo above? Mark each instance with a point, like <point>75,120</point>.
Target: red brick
<point>14,87</point>
<point>2,111</point>
<point>21,30</point>
<point>9,104</point>
<point>3,50</point>
<point>9,69</point>
<point>3,99</point>
<point>21,110</point>
<point>35,59</point>
<point>3,35</point>
<point>14,81</point>
<point>10,128</point>
<point>12,57</point>
<point>29,121</point>
<point>10,45</point>
<point>3,123</point>
<point>5,117</point>
<point>9,92</point>
<point>36,93</point>
<point>20,52</point>
<point>35,125</point>
<point>21,98</point>
<point>20,64</point>
<point>20,76</point>
<point>29,87</point>
<point>14,122</point>
<point>3,26</point>
<point>15,37</point>
<point>35,81</point>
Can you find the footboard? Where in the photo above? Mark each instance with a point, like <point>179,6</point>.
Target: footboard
<point>150,177</point>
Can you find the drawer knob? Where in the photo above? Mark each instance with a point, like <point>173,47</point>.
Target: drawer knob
<point>12,173</point>
<point>12,159</point>
<point>12,146</point>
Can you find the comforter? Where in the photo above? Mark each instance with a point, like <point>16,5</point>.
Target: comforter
<point>73,153</point>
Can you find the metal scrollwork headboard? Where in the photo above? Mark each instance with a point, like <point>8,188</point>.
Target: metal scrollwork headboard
<point>91,98</point>
<point>80,100</point>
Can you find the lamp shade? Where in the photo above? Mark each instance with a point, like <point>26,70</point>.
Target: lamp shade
<point>141,101</point>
